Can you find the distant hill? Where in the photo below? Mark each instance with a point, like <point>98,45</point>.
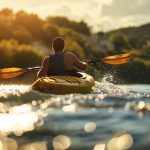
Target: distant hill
<point>143,30</point>
<point>130,37</point>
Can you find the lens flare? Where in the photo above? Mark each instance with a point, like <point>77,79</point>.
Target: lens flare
<point>15,90</point>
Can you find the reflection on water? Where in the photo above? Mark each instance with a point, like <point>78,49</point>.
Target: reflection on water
<point>18,120</point>
<point>107,119</point>
<point>8,144</point>
<point>8,90</point>
<point>34,146</point>
<point>120,142</point>
<point>63,142</point>
<point>89,127</point>
<point>11,144</point>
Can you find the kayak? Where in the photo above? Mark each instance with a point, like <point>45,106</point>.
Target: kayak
<point>65,84</point>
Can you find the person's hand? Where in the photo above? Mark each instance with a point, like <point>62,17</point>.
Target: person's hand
<point>42,78</point>
<point>86,61</point>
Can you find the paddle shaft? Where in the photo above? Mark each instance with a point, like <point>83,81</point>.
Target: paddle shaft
<point>116,59</point>
<point>34,68</point>
<point>94,61</point>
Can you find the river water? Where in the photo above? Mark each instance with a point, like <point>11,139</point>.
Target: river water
<point>113,117</point>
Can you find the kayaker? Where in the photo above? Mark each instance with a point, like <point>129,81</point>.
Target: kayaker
<point>60,62</point>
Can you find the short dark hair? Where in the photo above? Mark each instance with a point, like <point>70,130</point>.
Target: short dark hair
<point>58,44</point>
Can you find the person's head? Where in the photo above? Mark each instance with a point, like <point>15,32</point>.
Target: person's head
<point>58,44</point>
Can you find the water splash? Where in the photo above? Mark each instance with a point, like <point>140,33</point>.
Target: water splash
<point>105,85</point>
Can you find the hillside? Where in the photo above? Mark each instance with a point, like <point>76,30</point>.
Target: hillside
<point>26,38</point>
<point>141,34</point>
<point>137,31</point>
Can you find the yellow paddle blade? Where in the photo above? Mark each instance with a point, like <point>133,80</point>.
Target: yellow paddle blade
<point>6,73</point>
<point>117,59</point>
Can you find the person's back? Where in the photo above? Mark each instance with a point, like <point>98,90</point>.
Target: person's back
<point>60,62</point>
<point>57,64</point>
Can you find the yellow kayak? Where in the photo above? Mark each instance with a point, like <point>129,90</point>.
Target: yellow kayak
<point>64,84</point>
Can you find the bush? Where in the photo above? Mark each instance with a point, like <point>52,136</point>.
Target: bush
<point>13,54</point>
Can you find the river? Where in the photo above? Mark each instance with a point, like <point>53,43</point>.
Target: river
<point>113,117</point>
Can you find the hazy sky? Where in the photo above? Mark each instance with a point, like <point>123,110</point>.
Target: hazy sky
<point>99,14</point>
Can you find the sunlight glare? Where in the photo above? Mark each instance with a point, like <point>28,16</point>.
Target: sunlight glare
<point>17,109</point>
<point>90,127</point>
<point>99,147</point>
<point>8,144</point>
<point>70,108</point>
<point>124,141</point>
<point>15,90</point>
<point>141,105</point>
<point>1,145</point>
<point>34,146</point>
<point>18,120</point>
<point>61,142</point>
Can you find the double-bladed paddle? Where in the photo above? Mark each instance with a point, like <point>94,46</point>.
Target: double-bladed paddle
<point>115,59</point>
<point>14,72</point>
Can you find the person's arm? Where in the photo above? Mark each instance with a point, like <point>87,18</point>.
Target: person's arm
<point>43,71</point>
<point>79,64</point>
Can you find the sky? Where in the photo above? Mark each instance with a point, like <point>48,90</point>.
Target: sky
<point>100,15</point>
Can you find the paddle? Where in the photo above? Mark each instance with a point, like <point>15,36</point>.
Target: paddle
<point>14,72</point>
<point>116,59</point>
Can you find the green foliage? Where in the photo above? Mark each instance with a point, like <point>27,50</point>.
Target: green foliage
<point>6,20</point>
<point>29,21</point>
<point>20,31</point>
<point>27,56</point>
<point>87,46</point>
<point>138,71</point>
<point>138,36</point>
<point>120,41</point>
<point>72,43</point>
<point>73,46</point>
<point>18,55</point>
<point>80,27</point>
<point>22,35</point>
<point>49,32</point>
<point>28,28</point>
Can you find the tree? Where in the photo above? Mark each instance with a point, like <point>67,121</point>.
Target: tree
<point>14,54</point>
<point>6,20</point>
<point>120,41</point>
<point>80,27</point>
<point>49,32</point>
<point>31,22</point>
<point>22,35</point>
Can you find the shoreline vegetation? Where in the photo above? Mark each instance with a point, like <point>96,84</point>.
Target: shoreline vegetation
<point>26,38</point>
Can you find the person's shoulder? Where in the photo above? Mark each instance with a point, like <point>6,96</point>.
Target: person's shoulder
<point>70,54</point>
<point>46,59</point>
